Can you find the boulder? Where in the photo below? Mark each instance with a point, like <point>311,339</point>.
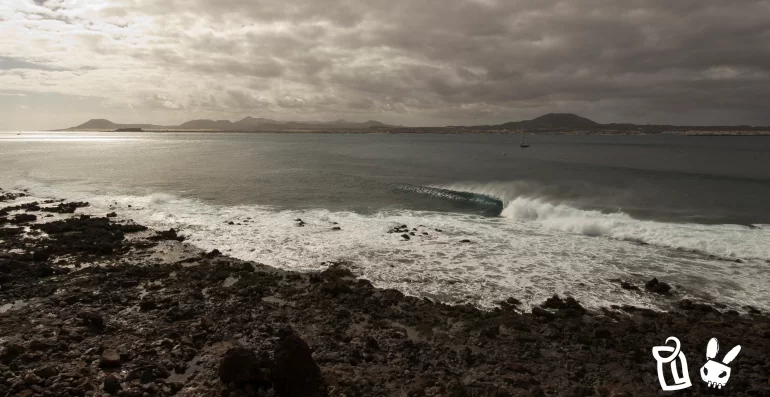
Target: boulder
<point>658,287</point>
<point>112,384</point>
<point>92,320</point>
<point>109,359</point>
<point>240,366</point>
<point>294,373</point>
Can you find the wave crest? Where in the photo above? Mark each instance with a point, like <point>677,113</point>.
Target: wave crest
<point>721,240</point>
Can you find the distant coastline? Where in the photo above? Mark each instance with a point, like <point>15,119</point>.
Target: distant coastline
<point>552,123</point>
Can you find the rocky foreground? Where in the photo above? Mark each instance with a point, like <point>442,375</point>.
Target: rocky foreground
<point>94,305</point>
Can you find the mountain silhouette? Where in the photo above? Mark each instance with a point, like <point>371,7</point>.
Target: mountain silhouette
<point>554,121</point>
<point>246,124</point>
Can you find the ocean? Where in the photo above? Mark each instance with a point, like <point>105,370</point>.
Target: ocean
<point>569,215</point>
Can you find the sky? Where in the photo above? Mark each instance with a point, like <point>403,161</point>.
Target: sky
<point>410,62</point>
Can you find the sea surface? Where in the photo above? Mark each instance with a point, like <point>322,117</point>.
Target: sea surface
<point>569,215</point>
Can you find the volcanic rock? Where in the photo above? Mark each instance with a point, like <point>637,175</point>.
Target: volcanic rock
<point>240,366</point>
<point>294,372</point>
<point>658,287</point>
<point>111,384</point>
<point>109,359</point>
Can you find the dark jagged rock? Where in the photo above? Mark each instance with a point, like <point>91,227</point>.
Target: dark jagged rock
<point>170,234</point>
<point>111,215</point>
<point>240,366</point>
<point>23,218</point>
<point>540,312</point>
<point>294,373</point>
<point>657,287</point>
<point>399,229</point>
<point>569,305</point>
<point>10,351</point>
<point>628,286</point>
<point>172,321</point>
<point>688,305</point>
<point>92,320</point>
<point>112,384</point>
<point>65,208</point>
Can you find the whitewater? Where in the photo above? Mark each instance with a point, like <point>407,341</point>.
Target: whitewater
<point>535,248</point>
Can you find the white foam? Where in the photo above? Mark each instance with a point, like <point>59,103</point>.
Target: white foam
<point>507,256</point>
<point>732,241</point>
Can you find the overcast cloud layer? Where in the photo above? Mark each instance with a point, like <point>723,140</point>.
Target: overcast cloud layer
<point>416,62</point>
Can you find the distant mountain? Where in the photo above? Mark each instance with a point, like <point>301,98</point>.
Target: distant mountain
<point>103,124</point>
<point>562,120</point>
<point>245,124</point>
<point>207,125</point>
<point>554,121</point>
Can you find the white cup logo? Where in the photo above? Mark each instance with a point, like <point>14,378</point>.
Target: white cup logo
<point>681,379</point>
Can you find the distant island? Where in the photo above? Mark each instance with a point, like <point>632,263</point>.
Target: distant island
<point>552,123</point>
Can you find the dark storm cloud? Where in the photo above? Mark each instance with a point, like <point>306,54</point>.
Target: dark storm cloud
<point>450,61</point>
<point>500,53</point>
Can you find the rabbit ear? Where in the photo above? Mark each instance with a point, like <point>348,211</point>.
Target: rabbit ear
<point>730,356</point>
<point>712,349</point>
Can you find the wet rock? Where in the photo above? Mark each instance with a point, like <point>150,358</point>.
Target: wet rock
<point>170,234</point>
<point>213,253</point>
<point>658,287</point>
<point>569,305</point>
<point>240,366</point>
<point>110,358</point>
<point>399,229</point>
<point>23,218</point>
<point>112,384</point>
<point>540,312</point>
<point>112,215</point>
<point>66,208</point>
<point>294,373</point>
<point>686,304</point>
<point>628,286</point>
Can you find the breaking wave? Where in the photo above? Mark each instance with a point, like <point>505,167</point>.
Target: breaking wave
<point>521,203</point>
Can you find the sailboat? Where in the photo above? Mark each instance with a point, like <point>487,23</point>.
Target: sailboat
<point>522,143</point>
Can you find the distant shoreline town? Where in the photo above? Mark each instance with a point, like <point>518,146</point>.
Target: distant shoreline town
<point>552,123</point>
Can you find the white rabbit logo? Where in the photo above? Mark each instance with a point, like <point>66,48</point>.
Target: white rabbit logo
<point>714,373</point>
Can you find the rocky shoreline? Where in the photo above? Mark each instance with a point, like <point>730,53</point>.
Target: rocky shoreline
<point>97,305</point>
